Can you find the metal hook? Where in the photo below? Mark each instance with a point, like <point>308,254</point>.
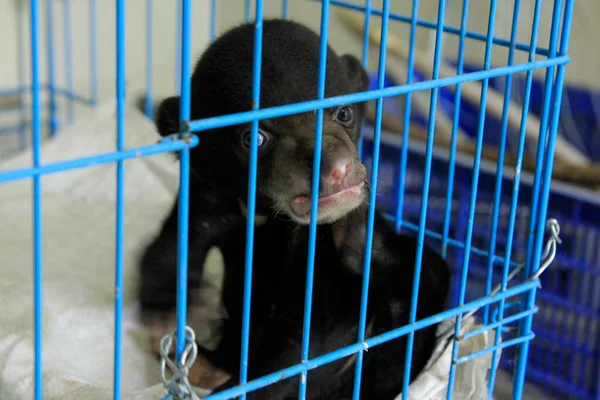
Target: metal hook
<point>548,256</point>
<point>179,385</point>
<point>550,249</point>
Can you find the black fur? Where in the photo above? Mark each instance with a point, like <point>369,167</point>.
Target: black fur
<point>222,84</point>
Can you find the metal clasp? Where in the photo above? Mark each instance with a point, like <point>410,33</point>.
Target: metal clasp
<point>179,385</point>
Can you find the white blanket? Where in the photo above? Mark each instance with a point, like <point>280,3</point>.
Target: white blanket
<point>78,270</point>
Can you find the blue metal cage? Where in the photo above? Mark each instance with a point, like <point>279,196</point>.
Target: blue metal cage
<point>488,223</point>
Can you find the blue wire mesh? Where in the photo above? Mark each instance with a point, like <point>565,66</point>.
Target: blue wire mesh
<point>465,210</point>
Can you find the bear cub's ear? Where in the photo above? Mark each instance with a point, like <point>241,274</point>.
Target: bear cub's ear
<point>357,74</point>
<point>167,116</point>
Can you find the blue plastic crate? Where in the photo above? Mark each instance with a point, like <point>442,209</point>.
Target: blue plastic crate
<point>579,123</point>
<point>565,356</point>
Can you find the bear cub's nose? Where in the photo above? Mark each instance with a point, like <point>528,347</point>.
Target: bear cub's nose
<point>336,176</point>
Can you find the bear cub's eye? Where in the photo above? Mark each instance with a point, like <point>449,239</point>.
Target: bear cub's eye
<point>344,114</point>
<point>261,138</point>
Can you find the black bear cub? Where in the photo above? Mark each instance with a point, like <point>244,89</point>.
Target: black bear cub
<point>222,84</point>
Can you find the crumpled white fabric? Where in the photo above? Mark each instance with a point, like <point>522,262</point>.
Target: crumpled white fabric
<point>78,271</point>
<point>471,377</point>
<point>78,263</point>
